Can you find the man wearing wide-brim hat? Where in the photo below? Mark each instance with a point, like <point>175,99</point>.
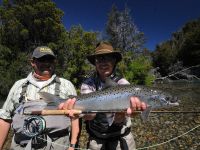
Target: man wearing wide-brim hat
<point>108,131</point>
<point>104,48</point>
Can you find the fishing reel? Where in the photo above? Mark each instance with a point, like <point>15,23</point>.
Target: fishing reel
<point>34,125</point>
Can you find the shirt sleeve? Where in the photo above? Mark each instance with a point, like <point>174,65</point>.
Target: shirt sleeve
<point>123,81</point>
<point>67,88</point>
<point>85,89</point>
<point>13,97</point>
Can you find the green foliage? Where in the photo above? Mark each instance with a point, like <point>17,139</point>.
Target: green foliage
<point>11,70</point>
<point>136,69</point>
<point>77,44</point>
<point>164,56</point>
<point>5,84</point>
<point>25,24</point>
<point>189,52</point>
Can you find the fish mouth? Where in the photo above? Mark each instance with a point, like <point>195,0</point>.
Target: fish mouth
<point>173,103</point>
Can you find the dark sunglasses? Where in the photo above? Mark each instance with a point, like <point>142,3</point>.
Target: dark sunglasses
<point>104,58</point>
<point>43,59</point>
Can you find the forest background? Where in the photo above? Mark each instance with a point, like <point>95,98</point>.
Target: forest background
<point>26,24</point>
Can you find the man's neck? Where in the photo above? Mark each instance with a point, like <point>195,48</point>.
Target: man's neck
<point>40,77</point>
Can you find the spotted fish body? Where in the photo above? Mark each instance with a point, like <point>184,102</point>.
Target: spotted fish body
<point>118,98</point>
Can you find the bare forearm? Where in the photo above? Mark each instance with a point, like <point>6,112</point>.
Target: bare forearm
<point>75,130</point>
<point>4,128</point>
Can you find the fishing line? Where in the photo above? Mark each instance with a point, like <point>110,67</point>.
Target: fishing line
<point>169,139</point>
<point>159,144</point>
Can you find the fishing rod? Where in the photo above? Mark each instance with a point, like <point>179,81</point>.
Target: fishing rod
<point>77,112</point>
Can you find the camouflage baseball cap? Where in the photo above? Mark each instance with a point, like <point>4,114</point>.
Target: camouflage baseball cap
<point>42,51</point>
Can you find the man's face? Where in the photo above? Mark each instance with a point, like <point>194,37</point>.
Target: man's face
<point>105,65</point>
<point>44,66</point>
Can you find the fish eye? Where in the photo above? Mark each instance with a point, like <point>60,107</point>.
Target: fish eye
<point>167,98</point>
<point>173,99</point>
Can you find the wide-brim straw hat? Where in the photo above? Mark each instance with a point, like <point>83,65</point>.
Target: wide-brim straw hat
<point>104,48</point>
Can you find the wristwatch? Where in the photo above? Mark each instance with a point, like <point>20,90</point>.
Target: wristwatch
<point>72,145</point>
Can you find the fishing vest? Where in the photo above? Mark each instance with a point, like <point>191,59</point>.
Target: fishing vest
<point>50,127</point>
<point>99,127</point>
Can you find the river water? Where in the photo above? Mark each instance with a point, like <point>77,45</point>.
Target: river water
<point>187,92</point>
<point>173,130</point>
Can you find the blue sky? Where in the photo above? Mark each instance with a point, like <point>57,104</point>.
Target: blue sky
<point>158,19</point>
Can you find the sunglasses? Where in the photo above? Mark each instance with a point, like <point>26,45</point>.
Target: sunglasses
<point>104,58</point>
<point>43,59</point>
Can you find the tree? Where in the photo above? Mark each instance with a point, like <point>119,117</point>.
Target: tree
<point>189,51</point>
<point>183,50</point>
<point>164,57</point>
<point>25,24</point>
<point>122,31</point>
<point>125,37</point>
<point>75,47</point>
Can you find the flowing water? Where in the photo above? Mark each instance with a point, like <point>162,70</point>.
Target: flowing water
<point>173,130</point>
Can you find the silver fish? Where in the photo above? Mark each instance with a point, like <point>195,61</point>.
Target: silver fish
<point>117,98</point>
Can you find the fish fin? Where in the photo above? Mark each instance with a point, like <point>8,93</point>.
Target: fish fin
<point>145,114</point>
<point>50,98</point>
<point>110,83</point>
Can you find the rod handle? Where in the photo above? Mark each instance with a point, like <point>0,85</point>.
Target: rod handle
<point>52,112</point>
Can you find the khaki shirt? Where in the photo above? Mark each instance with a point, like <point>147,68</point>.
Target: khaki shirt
<point>34,86</point>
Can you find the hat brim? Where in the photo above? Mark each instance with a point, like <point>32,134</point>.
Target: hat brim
<point>117,56</point>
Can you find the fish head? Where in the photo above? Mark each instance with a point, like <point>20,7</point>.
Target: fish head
<point>162,100</point>
<point>171,100</point>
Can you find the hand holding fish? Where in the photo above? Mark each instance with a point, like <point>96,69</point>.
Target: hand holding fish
<point>136,104</point>
<point>68,104</point>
